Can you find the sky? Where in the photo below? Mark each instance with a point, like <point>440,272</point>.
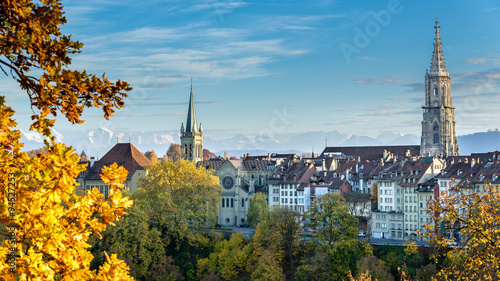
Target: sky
<point>283,67</point>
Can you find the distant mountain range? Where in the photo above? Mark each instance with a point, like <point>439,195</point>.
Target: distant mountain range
<point>98,142</point>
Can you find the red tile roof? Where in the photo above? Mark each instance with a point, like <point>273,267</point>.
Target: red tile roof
<point>123,154</point>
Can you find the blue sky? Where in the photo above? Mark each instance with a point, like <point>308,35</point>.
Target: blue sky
<point>278,67</point>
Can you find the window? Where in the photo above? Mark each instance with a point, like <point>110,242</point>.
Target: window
<point>398,200</point>
<point>436,138</point>
<point>393,225</point>
<point>243,203</point>
<point>286,200</point>
<point>227,220</point>
<point>223,203</point>
<point>282,193</point>
<point>232,203</point>
<point>435,91</point>
<point>227,202</point>
<point>436,127</point>
<point>383,225</point>
<point>377,225</point>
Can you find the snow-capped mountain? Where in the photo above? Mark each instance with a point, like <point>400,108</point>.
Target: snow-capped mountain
<point>99,141</point>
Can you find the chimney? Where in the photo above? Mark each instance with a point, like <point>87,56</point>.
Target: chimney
<point>92,160</point>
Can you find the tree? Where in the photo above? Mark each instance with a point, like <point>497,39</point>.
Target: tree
<point>374,267</point>
<point>330,217</point>
<point>207,154</point>
<point>267,268</point>
<point>46,226</point>
<point>133,240</point>
<point>230,258</point>
<point>374,193</point>
<point>177,195</point>
<point>151,155</point>
<point>165,270</point>
<point>474,216</point>
<point>174,152</point>
<point>258,210</point>
<point>279,234</point>
<point>316,268</point>
<point>83,156</point>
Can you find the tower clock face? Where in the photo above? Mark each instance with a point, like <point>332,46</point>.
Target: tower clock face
<point>227,182</point>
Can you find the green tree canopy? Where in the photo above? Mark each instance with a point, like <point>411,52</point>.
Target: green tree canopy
<point>279,233</point>
<point>258,210</point>
<point>178,195</point>
<point>329,216</point>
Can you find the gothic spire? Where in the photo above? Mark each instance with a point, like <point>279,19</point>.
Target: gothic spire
<point>191,118</point>
<point>437,62</point>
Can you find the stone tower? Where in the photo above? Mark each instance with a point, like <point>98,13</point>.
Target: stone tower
<point>438,125</point>
<point>192,135</point>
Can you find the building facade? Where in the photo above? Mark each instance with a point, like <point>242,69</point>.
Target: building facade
<point>239,179</point>
<point>438,125</point>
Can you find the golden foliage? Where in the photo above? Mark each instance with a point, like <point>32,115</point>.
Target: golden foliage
<point>44,225</point>
<point>475,217</point>
<point>30,39</point>
<point>51,223</point>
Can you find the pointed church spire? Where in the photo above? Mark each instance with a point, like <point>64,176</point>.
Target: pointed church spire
<point>437,61</point>
<point>191,118</point>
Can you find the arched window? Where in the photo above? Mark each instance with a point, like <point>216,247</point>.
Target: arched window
<point>436,127</point>
<point>227,202</point>
<point>436,91</point>
<point>443,89</point>
<point>223,203</point>
<point>243,203</point>
<point>227,220</point>
<point>436,138</point>
<point>190,150</point>
<point>232,203</point>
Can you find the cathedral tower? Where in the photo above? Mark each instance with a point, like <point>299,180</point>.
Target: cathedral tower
<point>438,125</point>
<point>192,135</point>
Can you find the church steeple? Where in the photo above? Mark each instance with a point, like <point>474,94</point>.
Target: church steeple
<point>191,117</point>
<point>438,125</point>
<point>191,135</point>
<point>437,62</point>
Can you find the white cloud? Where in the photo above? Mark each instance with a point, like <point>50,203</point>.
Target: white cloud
<point>485,61</point>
